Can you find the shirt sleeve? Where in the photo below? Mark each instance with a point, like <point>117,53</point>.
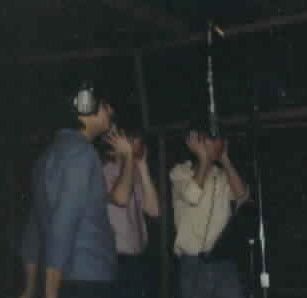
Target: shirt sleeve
<point>67,211</point>
<point>183,185</point>
<point>30,241</point>
<point>238,200</point>
<point>111,173</point>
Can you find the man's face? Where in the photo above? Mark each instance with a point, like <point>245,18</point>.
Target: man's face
<point>103,118</point>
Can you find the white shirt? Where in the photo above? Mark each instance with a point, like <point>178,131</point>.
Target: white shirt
<point>200,213</point>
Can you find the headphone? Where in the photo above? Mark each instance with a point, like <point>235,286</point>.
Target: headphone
<point>85,102</point>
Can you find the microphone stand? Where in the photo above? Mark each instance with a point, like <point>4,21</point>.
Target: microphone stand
<point>212,112</point>
<point>264,276</point>
<point>251,272</point>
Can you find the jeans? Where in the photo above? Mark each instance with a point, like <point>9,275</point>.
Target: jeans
<point>212,279</point>
<point>86,289</point>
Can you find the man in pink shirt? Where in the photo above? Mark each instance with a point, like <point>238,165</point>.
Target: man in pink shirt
<point>128,222</point>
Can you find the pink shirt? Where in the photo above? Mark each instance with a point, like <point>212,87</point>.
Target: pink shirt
<point>128,223</point>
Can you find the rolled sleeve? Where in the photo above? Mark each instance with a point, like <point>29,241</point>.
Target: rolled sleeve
<point>67,211</point>
<point>246,194</point>
<point>238,200</point>
<point>244,197</point>
<point>183,184</point>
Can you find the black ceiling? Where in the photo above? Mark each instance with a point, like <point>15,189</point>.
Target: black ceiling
<point>270,63</point>
<point>43,26</point>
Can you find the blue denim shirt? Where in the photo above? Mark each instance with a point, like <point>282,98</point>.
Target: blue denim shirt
<point>69,228</point>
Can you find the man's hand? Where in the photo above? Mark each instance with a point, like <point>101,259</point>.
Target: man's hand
<point>25,295</point>
<point>53,282</point>
<point>120,144</point>
<point>196,145</point>
<point>30,281</point>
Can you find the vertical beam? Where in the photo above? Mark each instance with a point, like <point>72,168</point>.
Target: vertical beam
<point>8,237</point>
<point>12,277</point>
<point>141,88</point>
<point>165,260</point>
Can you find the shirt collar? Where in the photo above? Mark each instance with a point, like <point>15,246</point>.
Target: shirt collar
<point>68,132</point>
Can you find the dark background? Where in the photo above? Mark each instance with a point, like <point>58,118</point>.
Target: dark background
<point>267,68</point>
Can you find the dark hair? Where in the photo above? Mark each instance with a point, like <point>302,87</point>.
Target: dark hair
<point>202,125</point>
<point>129,126</point>
<point>102,93</point>
<point>69,118</point>
<point>134,132</point>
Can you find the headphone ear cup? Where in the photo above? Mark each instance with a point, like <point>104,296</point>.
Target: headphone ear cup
<point>85,102</point>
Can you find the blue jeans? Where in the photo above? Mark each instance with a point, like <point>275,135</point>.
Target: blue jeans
<point>212,279</point>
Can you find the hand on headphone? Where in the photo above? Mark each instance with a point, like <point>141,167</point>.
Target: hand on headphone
<point>120,144</point>
<point>196,145</point>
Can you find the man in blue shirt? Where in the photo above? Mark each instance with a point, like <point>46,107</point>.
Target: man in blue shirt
<point>69,244</point>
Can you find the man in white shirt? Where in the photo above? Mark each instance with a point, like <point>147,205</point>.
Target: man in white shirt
<point>203,193</point>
